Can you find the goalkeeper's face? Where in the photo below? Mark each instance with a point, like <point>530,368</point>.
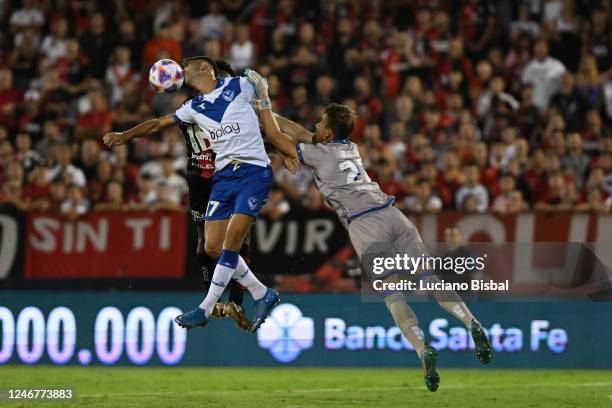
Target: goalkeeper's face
<point>323,133</point>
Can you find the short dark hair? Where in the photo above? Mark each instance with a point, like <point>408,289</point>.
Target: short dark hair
<point>225,68</point>
<point>340,119</point>
<point>210,61</point>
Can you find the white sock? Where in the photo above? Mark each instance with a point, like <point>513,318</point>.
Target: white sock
<point>219,281</point>
<point>246,278</point>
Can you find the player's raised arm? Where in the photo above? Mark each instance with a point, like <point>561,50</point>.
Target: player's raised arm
<point>296,131</point>
<point>113,139</point>
<point>272,131</point>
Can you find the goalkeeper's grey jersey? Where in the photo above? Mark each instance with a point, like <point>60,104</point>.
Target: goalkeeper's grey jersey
<point>341,178</point>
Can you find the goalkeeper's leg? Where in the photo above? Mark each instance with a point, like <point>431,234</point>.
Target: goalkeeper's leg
<point>408,323</point>
<point>450,301</point>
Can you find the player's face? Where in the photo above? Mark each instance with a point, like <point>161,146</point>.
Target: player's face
<point>323,133</point>
<point>197,69</point>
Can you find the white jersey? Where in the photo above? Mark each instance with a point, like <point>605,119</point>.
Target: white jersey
<point>227,122</point>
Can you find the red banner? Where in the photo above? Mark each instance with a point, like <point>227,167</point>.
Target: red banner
<point>526,227</point>
<point>106,245</point>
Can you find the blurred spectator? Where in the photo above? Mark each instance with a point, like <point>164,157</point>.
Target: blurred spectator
<point>544,74</point>
<point>386,179</point>
<point>51,135</point>
<point>211,25</point>
<point>113,198</point>
<point>54,45</point>
<point>65,169</point>
<point>163,45</point>
<point>88,160</point>
<point>575,160</point>
<point>9,98</point>
<point>165,199</point>
<point>24,59</point>
<point>472,196</point>
<point>559,196</point>
<point>242,52</point>
<point>596,202</point>
<point>38,192</point>
<point>509,200</point>
<point>12,189</point>
<point>97,121</point>
<point>424,200</point>
<point>176,185</point>
<point>29,158</point>
<point>495,93</point>
<point>75,204</point>
<point>74,69</point>
<point>127,37</point>
<point>119,73</point>
<point>29,16</point>
<point>58,192</point>
<point>147,195</point>
<point>97,45</point>
<point>599,43</point>
<point>570,102</point>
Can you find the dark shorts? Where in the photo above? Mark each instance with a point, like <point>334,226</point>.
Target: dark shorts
<point>199,193</point>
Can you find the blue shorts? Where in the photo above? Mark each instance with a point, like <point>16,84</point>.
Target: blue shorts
<point>238,189</point>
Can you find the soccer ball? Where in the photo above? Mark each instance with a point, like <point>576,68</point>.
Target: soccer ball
<point>166,76</point>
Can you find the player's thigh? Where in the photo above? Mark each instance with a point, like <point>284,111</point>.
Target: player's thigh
<point>369,235</point>
<point>407,238</point>
<point>220,204</point>
<point>254,184</point>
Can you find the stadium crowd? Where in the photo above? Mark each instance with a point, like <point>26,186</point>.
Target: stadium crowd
<point>471,105</point>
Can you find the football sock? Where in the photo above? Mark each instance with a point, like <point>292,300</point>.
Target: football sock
<point>450,301</point>
<point>225,269</point>
<point>246,278</point>
<point>407,322</point>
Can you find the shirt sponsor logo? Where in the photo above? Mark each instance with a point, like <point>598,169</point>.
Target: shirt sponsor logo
<point>226,129</point>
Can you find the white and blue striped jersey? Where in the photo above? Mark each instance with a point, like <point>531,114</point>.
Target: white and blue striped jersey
<point>228,122</point>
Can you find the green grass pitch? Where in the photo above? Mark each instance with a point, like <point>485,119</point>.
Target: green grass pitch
<point>295,387</point>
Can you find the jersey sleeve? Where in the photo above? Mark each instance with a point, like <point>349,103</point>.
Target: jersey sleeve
<point>184,115</point>
<point>247,90</point>
<point>308,154</point>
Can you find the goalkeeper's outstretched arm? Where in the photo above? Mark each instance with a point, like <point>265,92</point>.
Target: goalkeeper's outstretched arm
<point>149,127</point>
<point>296,131</point>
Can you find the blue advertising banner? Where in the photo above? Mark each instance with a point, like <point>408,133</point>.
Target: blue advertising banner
<point>137,328</point>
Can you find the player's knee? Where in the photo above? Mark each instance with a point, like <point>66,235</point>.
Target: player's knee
<point>213,251</point>
<point>391,300</point>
